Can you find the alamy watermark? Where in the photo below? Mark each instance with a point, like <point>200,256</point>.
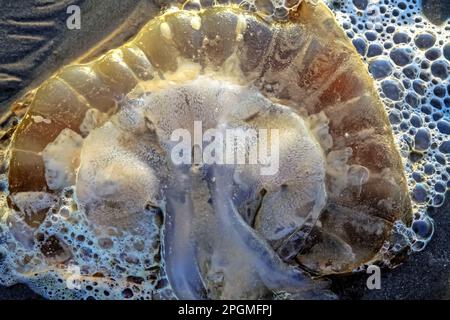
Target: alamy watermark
<point>73,21</point>
<point>374,280</point>
<point>231,146</point>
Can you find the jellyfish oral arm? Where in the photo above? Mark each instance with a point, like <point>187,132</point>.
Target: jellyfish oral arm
<point>276,275</point>
<point>179,245</point>
<point>246,246</point>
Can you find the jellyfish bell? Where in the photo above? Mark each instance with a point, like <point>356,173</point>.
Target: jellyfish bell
<point>91,156</point>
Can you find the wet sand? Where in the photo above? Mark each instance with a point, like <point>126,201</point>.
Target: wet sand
<point>35,40</point>
<point>437,11</point>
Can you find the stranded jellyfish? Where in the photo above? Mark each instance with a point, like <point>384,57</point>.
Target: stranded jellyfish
<point>95,199</point>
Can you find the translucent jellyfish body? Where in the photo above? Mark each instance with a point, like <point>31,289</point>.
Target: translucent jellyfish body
<point>95,200</point>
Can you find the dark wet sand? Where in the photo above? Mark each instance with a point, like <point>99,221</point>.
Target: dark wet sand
<point>437,11</point>
<point>425,275</point>
<point>35,41</point>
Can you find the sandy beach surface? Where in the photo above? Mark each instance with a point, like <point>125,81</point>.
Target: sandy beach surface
<point>35,40</point>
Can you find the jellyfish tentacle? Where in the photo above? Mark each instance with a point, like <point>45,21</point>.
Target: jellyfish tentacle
<point>179,245</point>
<point>273,272</point>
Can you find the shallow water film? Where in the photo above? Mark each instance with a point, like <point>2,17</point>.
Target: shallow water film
<point>222,150</point>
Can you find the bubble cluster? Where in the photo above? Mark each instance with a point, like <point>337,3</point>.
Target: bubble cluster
<point>98,257</point>
<point>409,57</point>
